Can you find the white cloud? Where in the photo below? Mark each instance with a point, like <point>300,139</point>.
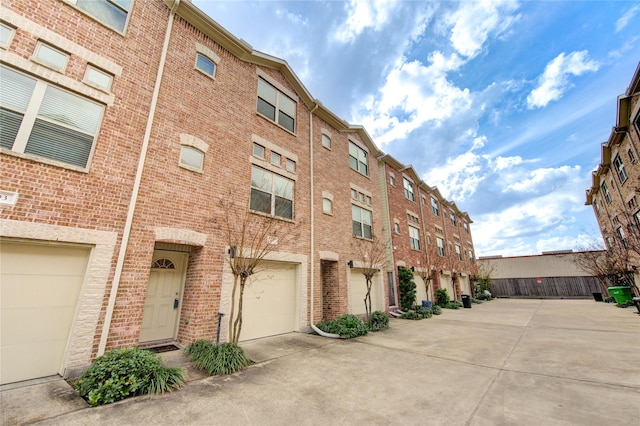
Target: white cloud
<point>626,18</point>
<point>555,80</point>
<point>475,21</point>
<point>363,14</point>
<point>412,95</point>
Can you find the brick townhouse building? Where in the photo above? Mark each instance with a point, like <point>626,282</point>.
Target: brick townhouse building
<point>128,131</point>
<point>615,187</point>
<point>428,234</point>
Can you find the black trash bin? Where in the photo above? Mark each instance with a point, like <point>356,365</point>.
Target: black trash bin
<point>466,300</point>
<point>636,301</point>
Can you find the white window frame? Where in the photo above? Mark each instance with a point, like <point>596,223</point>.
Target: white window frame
<point>11,31</point>
<point>205,58</point>
<point>275,159</point>
<point>605,191</point>
<point>619,166</point>
<point>458,253</point>
<point>327,206</point>
<point>434,207</point>
<point>392,179</point>
<point>409,192</point>
<point>278,103</point>
<point>471,258</point>
<point>30,115</point>
<point>256,151</point>
<point>116,6</point>
<point>361,222</point>
<point>290,165</point>
<point>440,244</point>
<point>414,238</point>
<point>184,149</point>
<point>41,48</point>
<point>360,160</point>
<point>452,217</point>
<point>326,141</point>
<point>271,191</point>
<point>87,78</point>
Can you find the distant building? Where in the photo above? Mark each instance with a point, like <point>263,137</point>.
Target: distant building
<point>615,189</point>
<point>548,275</point>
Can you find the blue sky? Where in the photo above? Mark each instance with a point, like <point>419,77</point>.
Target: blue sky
<point>502,105</point>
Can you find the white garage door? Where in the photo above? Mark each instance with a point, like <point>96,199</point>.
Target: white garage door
<point>39,291</point>
<point>270,301</point>
<point>357,291</point>
<point>465,285</point>
<point>446,282</point>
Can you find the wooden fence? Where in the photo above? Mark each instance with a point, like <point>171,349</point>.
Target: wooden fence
<point>547,288</point>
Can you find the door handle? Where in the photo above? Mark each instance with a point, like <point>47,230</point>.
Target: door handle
<point>176,303</point>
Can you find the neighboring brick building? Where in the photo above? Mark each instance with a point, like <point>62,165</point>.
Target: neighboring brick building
<point>128,131</point>
<point>428,234</point>
<point>615,190</point>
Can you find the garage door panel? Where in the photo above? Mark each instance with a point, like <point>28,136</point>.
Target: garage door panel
<point>46,328</point>
<point>269,304</point>
<point>19,291</point>
<point>421,291</point>
<point>39,290</point>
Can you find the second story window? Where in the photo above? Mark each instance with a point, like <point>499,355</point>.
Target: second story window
<point>605,191</point>
<point>358,159</point>
<point>408,190</point>
<point>110,12</point>
<point>361,219</point>
<point>271,194</point>
<point>276,106</point>
<point>619,166</point>
<point>42,120</point>
<point>434,206</point>
<point>440,243</point>
<point>458,253</point>
<point>414,238</point>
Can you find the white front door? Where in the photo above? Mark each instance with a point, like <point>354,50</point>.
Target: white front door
<point>163,302</point>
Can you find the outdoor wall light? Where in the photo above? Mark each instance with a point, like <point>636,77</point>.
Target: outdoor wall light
<point>413,268</point>
<point>350,264</point>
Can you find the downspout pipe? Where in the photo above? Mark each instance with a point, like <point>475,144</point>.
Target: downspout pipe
<point>312,216</point>
<point>136,186</point>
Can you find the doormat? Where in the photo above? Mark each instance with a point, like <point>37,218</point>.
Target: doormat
<point>164,348</point>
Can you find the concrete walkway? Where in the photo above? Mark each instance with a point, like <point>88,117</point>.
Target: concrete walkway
<point>504,362</point>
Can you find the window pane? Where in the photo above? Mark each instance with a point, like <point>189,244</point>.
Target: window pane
<point>287,106</point>
<point>366,217</point>
<point>366,231</point>
<point>357,229</point>
<point>9,129</point>
<point>285,121</point>
<point>283,187</point>
<point>70,110</point>
<point>260,201</point>
<point>105,11</point>
<point>266,92</point>
<point>364,169</point>
<point>291,165</point>
<point>59,143</point>
<point>353,163</point>
<point>284,208</point>
<point>258,150</point>
<point>5,34</point>
<point>327,206</point>
<point>266,109</point>
<point>261,179</point>
<point>15,89</point>
<point>353,150</point>
<point>326,141</point>
<point>98,78</point>
<point>205,65</point>
<point>50,56</point>
<point>191,157</point>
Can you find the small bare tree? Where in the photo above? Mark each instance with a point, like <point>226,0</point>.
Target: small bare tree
<point>372,257</point>
<point>250,237</point>
<point>613,266</point>
<point>432,262</point>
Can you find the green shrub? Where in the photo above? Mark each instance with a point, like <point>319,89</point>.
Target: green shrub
<point>378,321</point>
<point>123,373</point>
<point>484,296</point>
<point>442,297</point>
<point>407,288</point>
<point>476,301</point>
<point>417,314</point>
<point>453,305</point>
<point>222,359</point>
<point>346,326</point>
<point>436,310</point>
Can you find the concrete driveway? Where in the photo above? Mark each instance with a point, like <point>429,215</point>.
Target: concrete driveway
<point>504,362</point>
